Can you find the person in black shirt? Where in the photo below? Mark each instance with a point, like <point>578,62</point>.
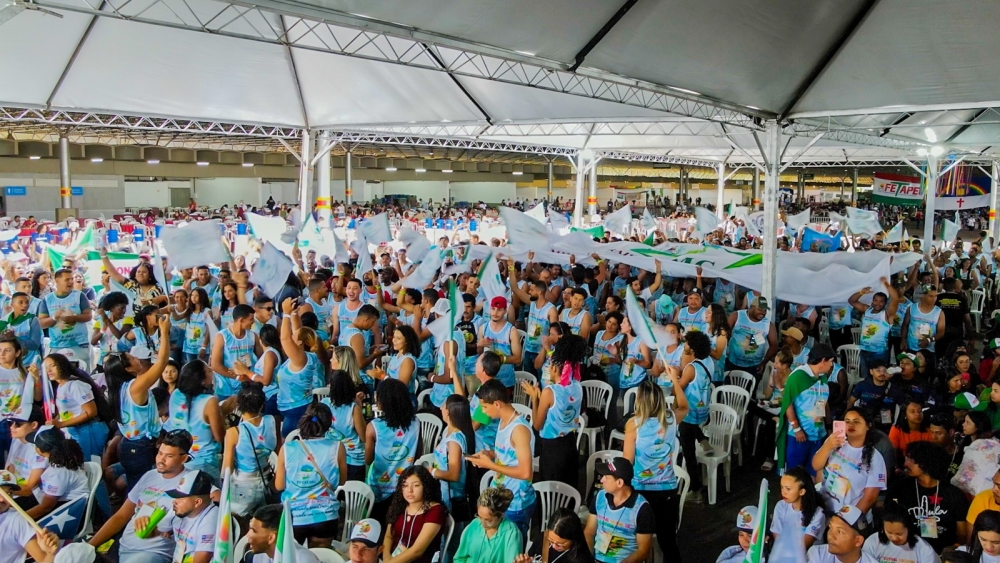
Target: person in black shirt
<point>957,321</point>
<point>942,431</point>
<point>937,507</point>
<point>876,395</point>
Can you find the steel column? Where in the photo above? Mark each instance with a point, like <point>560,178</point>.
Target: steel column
<point>721,191</point>
<point>755,191</point>
<point>578,202</point>
<point>323,208</point>
<point>929,195</point>
<point>801,191</point>
<point>348,178</point>
<point>771,185</point>
<point>854,186</point>
<point>592,191</point>
<point>305,172</point>
<point>65,191</point>
<point>995,174</point>
<point>548,184</point>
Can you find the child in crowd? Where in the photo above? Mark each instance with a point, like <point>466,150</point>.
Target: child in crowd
<point>745,522</point>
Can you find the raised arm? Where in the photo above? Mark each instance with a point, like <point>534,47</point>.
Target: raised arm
<point>139,390</point>
<point>296,355</point>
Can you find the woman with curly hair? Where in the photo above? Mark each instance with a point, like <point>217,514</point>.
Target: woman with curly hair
<point>490,538</point>
<point>64,480</point>
<point>83,410</point>
<point>416,519</point>
<point>554,410</point>
<point>392,442</point>
<point>141,281</point>
<point>853,470</point>
<point>402,365</point>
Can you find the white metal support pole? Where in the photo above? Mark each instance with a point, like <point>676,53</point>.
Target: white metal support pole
<point>929,195</point>
<point>323,208</point>
<point>801,193</point>
<point>65,191</point>
<point>348,178</point>
<point>995,175</point>
<point>720,195</point>
<point>854,186</point>
<point>548,186</point>
<point>755,196</point>
<point>771,186</point>
<point>578,202</point>
<point>305,173</point>
<point>592,188</point>
<point>842,184</point>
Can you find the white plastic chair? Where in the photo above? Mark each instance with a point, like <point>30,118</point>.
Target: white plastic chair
<point>852,355</point>
<point>326,555</point>
<point>424,399</point>
<point>240,549</point>
<point>977,298</point>
<point>720,430</point>
<point>629,399</point>
<point>426,460</point>
<point>449,526</point>
<point>598,397</point>
<point>488,477</point>
<point>430,430</point>
<point>293,435</point>
<point>741,378</point>
<point>603,456</point>
<point>524,411</point>
<point>554,495</point>
<point>768,370</point>
<point>683,485</point>
<point>358,502</point>
<point>520,397</point>
<point>856,335</point>
<point>616,436</point>
<point>321,392</point>
<point>94,475</point>
<point>738,399</point>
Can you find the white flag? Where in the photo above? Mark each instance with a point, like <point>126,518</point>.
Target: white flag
<point>416,244</point>
<point>557,220</point>
<point>707,221</point>
<point>652,335</point>
<point>949,229</point>
<point>648,222</point>
<point>537,212</point>
<point>523,232</point>
<point>194,244</point>
<point>161,276</point>
<point>364,264</point>
<point>863,222</point>
<point>271,229</point>
<point>619,221</point>
<point>424,274</point>
<point>376,229</point>
<point>796,222</point>
<point>489,278</point>
<point>895,234</point>
<point>271,270</point>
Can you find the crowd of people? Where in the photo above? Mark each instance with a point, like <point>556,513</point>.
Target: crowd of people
<point>171,385</point>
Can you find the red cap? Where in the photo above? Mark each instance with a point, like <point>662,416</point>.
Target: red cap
<point>499,302</point>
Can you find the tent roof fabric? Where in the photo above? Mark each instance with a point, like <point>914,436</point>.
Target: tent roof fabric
<point>863,72</point>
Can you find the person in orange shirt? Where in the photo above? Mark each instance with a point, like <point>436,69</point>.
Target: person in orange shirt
<point>909,427</point>
<point>986,500</point>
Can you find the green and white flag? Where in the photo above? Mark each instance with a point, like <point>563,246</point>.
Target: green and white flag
<point>756,552</point>
<point>284,545</point>
<point>443,327</point>
<point>652,335</point>
<point>489,279</point>
<point>84,241</point>
<point>895,234</point>
<point>223,552</point>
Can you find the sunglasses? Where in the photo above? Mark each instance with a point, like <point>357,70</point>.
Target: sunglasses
<point>268,308</point>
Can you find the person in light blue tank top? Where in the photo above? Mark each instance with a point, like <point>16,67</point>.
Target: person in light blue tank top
<point>499,336</point>
<point>194,408</point>
<point>321,305</point>
<point>310,468</point>
<point>637,360</point>
<point>196,335</point>
<point>515,444</point>
<point>670,357</point>
<point>751,338</point>
<point>392,441</point>
<point>237,343</point>
<point>247,448</point>
<point>457,441</point>
<point>540,315</point>
<point>347,424</point>
<point>402,365</point>
<point>442,376</point>
<point>302,371</point>
<point>696,320</point>
<point>65,312</point>
<point>695,380</point>
<point>876,323</point>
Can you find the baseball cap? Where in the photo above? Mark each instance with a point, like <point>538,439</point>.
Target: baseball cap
<point>80,552</point>
<point>994,343</point>
<point>746,518</point>
<point>27,413</point>
<point>68,353</point>
<point>7,479</point>
<point>793,332</point>
<point>367,531</point>
<point>969,402</point>
<point>498,302</point>
<point>43,438</point>
<point>619,468</point>
<point>141,352</point>
<point>694,291</point>
<point>906,356</point>
<point>194,484</point>
<point>760,302</point>
<point>852,515</point>
<point>442,307</point>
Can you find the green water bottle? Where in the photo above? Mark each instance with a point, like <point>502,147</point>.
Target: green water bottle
<point>158,513</point>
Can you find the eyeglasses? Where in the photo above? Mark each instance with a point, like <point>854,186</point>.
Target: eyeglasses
<point>268,308</point>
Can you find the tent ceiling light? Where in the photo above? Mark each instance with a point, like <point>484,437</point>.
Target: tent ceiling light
<point>95,160</point>
<point>937,150</point>
<point>922,151</point>
<point>447,171</point>
<point>420,170</point>
<point>202,163</point>
<point>34,158</point>
<point>391,169</point>
<point>247,164</point>
<point>685,90</point>
<point>153,161</point>
<point>517,173</point>
<point>931,135</point>
<point>526,53</point>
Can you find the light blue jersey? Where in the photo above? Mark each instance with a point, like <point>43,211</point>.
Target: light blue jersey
<point>560,420</point>
<point>295,387</point>
<point>506,455</point>
<point>310,500</point>
<point>395,450</point>
<point>654,455</point>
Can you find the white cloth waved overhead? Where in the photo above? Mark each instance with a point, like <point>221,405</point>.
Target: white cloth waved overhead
<point>652,335</point>
<point>796,222</point>
<point>706,221</point>
<point>523,232</point>
<point>376,229</point>
<point>620,221</point>
<point>489,278</point>
<point>537,213</point>
<point>271,270</point>
<point>194,244</point>
<point>895,234</point>
<point>425,274</point>
<point>648,222</point>
<point>416,244</point>
<point>949,229</point>
<point>557,221</point>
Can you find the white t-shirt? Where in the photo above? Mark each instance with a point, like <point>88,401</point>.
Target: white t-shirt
<point>985,557</point>
<point>15,533</point>
<point>70,398</point>
<point>785,516</point>
<point>302,555</point>
<point>845,480</point>
<point>922,552</point>
<point>194,534</point>
<point>22,459</point>
<point>65,484</point>
<point>147,494</point>
<point>821,554</point>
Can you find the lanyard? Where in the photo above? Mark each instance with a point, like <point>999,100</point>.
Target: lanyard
<point>409,536</point>
<point>937,500</point>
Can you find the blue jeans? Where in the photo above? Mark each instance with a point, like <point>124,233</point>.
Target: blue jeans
<point>801,453</point>
<point>92,437</point>
<point>4,437</point>
<point>141,557</point>
<point>189,357</point>
<point>291,419</point>
<point>528,363</point>
<point>521,518</point>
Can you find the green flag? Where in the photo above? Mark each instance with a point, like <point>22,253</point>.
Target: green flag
<point>224,529</point>
<point>84,241</point>
<point>596,232</point>
<point>650,239</point>
<point>284,545</point>
<point>756,552</point>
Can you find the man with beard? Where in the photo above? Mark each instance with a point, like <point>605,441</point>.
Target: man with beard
<point>876,323</point>
<point>196,518</point>
<point>753,340</point>
<point>541,314</point>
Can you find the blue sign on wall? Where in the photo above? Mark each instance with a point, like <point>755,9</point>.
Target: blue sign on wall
<point>16,190</point>
<point>76,190</point>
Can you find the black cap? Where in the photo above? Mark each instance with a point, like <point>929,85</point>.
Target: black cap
<point>192,484</point>
<point>619,468</point>
<point>44,438</point>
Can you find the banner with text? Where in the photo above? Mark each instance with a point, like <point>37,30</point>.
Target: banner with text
<point>896,189</point>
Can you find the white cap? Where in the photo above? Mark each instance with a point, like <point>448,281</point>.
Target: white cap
<point>141,352</point>
<point>81,552</point>
<point>746,519</point>
<point>367,531</point>
<point>442,307</point>
<point>7,479</point>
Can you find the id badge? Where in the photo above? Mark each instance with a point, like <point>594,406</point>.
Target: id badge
<point>400,548</point>
<point>928,527</point>
<point>601,543</point>
<point>819,412</point>
<point>886,416</point>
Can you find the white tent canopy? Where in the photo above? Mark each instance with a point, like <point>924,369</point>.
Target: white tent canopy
<point>653,76</point>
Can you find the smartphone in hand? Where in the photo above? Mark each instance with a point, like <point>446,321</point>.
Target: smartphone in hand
<point>840,427</point>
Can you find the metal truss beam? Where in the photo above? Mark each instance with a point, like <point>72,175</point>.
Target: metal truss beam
<point>654,158</point>
<point>689,128</point>
<point>447,143</point>
<point>330,31</point>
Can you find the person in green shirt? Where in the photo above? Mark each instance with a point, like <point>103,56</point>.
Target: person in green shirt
<point>490,538</point>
